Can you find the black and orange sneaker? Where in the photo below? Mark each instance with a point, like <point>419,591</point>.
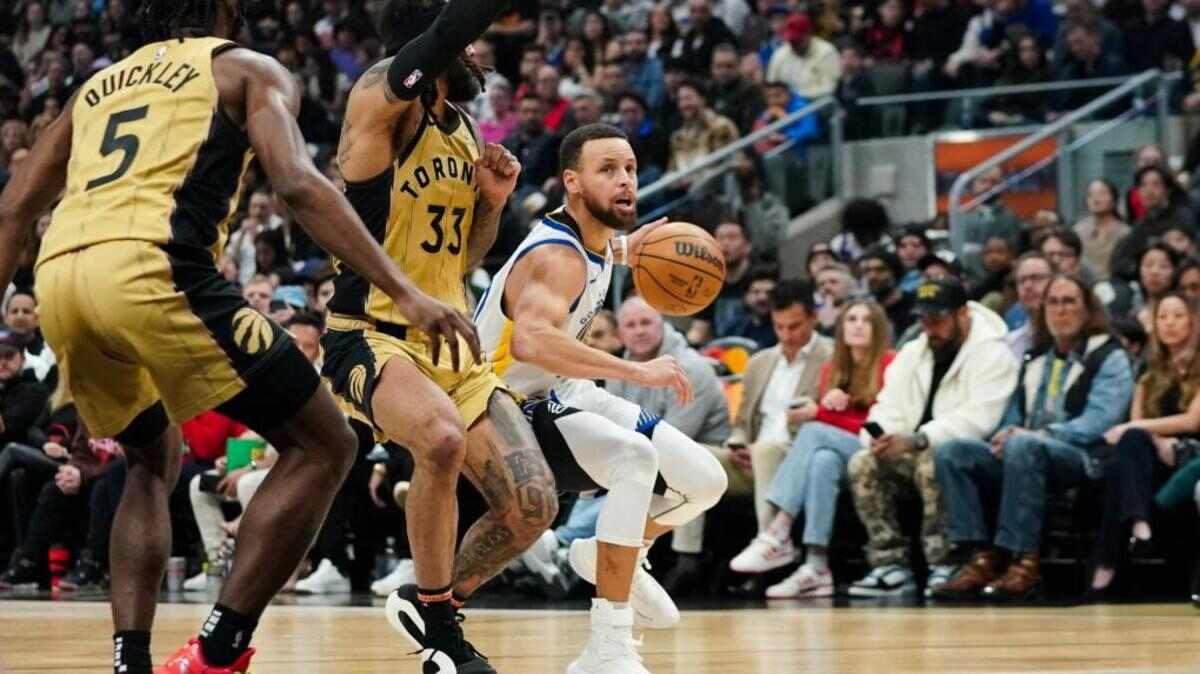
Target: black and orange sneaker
<point>189,660</point>
<point>441,644</point>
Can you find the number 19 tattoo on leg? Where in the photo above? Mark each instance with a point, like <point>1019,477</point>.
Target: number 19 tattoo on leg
<point>505,462</point>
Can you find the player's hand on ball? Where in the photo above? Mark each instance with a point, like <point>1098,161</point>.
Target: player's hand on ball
<point>440,321</point>
<point>635,239</point>
<point>496,173</point>
<point>666,372</point>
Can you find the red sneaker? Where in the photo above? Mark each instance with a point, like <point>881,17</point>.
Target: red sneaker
<point>189,660</point>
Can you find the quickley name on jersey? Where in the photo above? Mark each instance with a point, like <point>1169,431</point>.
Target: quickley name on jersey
<point>153,156</point>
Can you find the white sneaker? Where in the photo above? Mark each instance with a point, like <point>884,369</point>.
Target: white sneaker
<point>651,604</point>
<point>404,574</point>
<point>611,648</point>
<point>325,580</point>
<point>886,581</point>
<point>764,554</point>
<point>539,558</point>
<point>939,575</point>
<point>804,582</point>
<point>197,583</point>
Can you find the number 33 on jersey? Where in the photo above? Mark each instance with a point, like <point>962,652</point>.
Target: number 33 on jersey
<point>420,209</point>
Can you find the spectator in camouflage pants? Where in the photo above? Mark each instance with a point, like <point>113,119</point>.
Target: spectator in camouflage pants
<point>952,381</point>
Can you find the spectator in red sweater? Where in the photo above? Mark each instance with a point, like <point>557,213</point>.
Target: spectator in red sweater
<point>811,477</point>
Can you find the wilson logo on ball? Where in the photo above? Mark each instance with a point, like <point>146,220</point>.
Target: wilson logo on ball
<point>689,249</point>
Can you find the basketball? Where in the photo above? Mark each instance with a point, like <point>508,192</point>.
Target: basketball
<point>678,269</point>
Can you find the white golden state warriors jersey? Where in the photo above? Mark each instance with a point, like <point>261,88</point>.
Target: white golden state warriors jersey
<point>496,329</point>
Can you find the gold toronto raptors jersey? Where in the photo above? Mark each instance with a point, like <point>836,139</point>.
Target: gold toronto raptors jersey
<point>420,210</point>
<point>153,156</point>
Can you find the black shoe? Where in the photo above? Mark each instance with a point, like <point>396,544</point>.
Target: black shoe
<point>1141,548</point>
<point>87,574</point>
<point>22,574</point>
<point>683,578</point>
<point>440,641</point>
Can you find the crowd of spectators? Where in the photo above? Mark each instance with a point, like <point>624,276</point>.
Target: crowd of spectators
<point>983,371</point>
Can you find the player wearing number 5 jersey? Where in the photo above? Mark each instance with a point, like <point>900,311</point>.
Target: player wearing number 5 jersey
<point>431,193</point>
<point>151,152</point>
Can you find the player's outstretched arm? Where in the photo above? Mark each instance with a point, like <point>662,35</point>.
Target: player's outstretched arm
<point>271,103</point>
<point>382,95</point>
<point>31,190</point>
<point>549,279</point>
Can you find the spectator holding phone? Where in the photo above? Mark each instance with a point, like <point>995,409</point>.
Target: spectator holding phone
<point>781,386</point>
<point>951,382</point>
<point>811,476</point>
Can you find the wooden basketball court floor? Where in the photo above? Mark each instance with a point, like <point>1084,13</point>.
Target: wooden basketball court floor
<point>40,637</point>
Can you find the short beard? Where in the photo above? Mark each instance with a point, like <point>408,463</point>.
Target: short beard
<point>609,217</point>
<point>464,81</point>
<point>945,353</point>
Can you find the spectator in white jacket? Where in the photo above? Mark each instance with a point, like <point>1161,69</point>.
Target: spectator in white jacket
<point>809,65</point>
<point>952,382</point>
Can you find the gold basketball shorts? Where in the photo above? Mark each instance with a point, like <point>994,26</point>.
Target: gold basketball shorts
<point>134,324</point>
<point>356,351</point>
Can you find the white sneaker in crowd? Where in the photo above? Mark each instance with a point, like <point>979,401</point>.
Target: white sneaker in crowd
<point>197,583</point>
<point>611,648</point>
<point>886,581</point>
<point>764,554</point>
<point>804,582</point>
<point>404,574</point>
<point>325,580</point>
<point>651,604</point>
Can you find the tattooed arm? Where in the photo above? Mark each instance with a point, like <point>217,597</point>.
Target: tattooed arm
<point>505,463</point>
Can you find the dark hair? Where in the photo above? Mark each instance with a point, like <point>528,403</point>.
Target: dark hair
<point>877,252</point>
<point>1066,237</point>
<point>635,97</point>
<point>28,292</point>
<point>764,272</point>
<point>572,146</point>
<point>1097,317</point>
<point>776,84</point>
<point>725,46</point>
<point>1172,254</point>
<point>309,318</point>
<point>165,19</point>
<point>1130,328</point>
<point>400,21</point>
<point>1112,191</point>
<point>1175,193</point>
<point>1187,265</point>
<point>792,292</point>
<point>696,86</point>
<point>914,229</point>
<point>866,219</point>
<point>728,219</point>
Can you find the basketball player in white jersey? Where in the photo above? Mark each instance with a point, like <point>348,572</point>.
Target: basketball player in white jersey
<point>531,322</point>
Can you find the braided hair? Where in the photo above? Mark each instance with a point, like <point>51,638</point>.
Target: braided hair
<point>166,19</point>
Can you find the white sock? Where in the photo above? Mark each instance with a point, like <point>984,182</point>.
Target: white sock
<point>817,559</point>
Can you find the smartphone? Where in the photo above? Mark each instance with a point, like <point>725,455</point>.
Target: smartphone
<point>798,403</point>
<point>873,428</point>
<point>209,482</point>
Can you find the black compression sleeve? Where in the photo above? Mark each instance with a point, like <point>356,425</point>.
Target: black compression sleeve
<point>423,60</point>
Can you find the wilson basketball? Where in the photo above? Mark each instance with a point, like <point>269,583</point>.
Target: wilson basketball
<point>678,269</point>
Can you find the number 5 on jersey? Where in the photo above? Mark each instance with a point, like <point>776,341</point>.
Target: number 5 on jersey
<point>127,143</point>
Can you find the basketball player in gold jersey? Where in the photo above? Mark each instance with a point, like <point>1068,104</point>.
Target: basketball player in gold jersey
<point>431,192</point>
<point>151,152</point>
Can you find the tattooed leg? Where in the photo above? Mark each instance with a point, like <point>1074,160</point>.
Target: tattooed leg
<point>506,464</point>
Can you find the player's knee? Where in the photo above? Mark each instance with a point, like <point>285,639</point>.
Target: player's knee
<point>709,481</point>
<point>638,460</point>
<point>446,447</point>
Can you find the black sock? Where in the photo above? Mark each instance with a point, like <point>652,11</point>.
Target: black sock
<point>131,653</point>
<point>225,636</point>
<point>436,607</point>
